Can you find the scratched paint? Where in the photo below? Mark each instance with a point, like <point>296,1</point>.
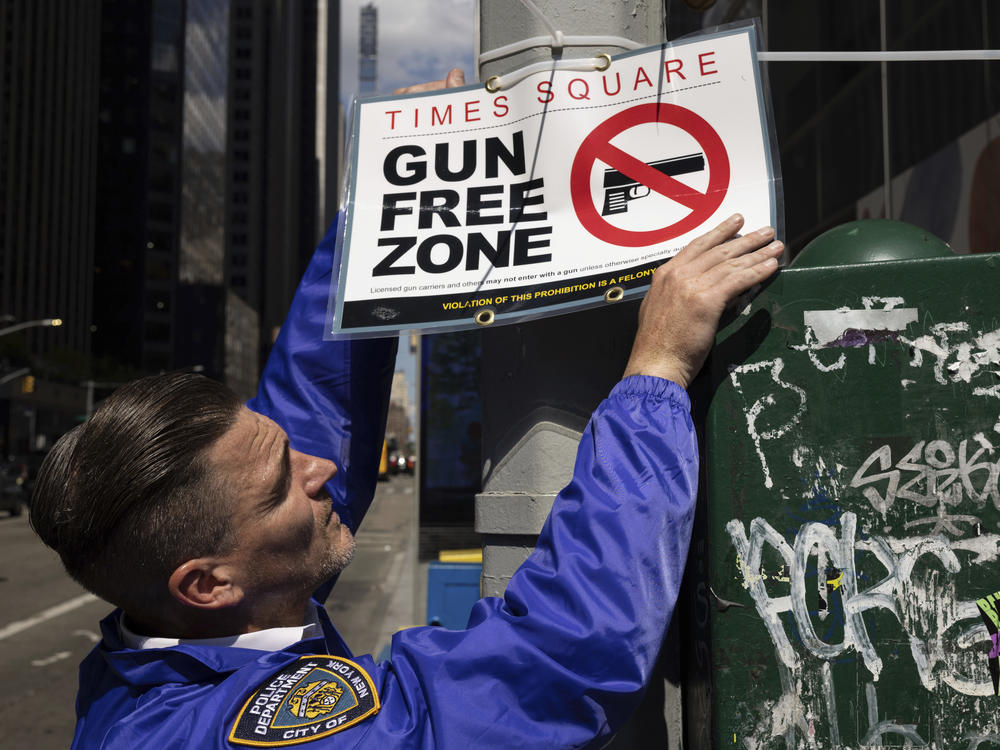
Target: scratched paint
<point>850,595</point>
<point>786,395</point>
<point>955,351</point>
<point>925,609</point>
<point>944,634</point>
<point>910,577</point>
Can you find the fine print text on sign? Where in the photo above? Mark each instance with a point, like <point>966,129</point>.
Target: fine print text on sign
<point>564,191</point>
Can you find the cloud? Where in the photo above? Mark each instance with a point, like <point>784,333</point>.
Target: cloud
<point>418,40</point>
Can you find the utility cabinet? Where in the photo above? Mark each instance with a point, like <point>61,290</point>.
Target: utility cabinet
<point>851,461</point>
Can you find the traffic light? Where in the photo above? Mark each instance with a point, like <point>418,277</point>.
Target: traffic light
<point>28,384</point>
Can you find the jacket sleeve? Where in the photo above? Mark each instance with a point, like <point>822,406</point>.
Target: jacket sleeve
<point>562,660</point>
<point>331,397</point>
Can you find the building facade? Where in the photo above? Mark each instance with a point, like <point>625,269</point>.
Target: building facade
<point>283,170</point>
<point>49,55</point>
<point>368,49</point>
<point>165,172</point>
<point>209,189</point>
<point>900,140</point>
<point>139,182</point>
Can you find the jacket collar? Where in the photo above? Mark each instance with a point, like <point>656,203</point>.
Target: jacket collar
<point>189,664</point>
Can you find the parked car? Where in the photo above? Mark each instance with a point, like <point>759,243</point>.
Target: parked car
<point>398,463</point>
<point>13,493</point>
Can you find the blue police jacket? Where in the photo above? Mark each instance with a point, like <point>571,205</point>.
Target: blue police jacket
<point>559,662</point>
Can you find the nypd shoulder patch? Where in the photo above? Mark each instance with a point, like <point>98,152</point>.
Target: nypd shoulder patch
<point>313,697</point>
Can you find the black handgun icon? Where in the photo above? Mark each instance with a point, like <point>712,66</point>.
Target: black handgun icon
<point>619,189</point>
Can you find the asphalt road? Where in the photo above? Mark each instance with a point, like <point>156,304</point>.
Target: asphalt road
<point>48,623</point>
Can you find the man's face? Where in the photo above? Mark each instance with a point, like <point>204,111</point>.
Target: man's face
<point>287,537</point>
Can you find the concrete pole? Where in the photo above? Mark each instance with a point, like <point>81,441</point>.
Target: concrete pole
<point>542,380</point>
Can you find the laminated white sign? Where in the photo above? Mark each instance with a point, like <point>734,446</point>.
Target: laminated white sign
<point>567,190</point>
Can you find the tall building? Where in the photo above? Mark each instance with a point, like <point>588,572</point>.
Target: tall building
<point>368,49</point>
<point>138,217</point>
<point>200,316</point>
<point>283,171</point>
<point>166,169</point>
<point>49,53</point>
<point>399,421</point>
<point>217,177</point>
<point>160,200</point>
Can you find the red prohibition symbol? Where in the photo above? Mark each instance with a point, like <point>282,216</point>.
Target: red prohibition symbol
<point>597,147</point>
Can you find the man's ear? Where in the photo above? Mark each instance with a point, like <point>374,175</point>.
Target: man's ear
<point>205,583</point>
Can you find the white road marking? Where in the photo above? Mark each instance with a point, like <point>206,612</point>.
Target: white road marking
<point>58,656</point>
<point>90,635</point>
<point>60,609</point>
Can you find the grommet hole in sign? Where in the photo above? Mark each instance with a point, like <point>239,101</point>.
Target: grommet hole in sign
<point>614,294</point>
<point>484,317</point>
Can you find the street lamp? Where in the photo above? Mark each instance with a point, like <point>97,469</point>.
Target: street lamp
<point>43,323</point>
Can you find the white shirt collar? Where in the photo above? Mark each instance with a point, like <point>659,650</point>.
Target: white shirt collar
<point>272,639</point>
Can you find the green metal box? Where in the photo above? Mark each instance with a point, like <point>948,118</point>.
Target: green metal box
<point>852,453</point>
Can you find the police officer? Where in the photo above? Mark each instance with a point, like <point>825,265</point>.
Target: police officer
<point>210,524</point>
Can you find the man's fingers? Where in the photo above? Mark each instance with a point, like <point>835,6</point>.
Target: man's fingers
<point>417,88</point>
<point>710,239</point>
<point>742,245</point>
<point>456,78</point>
<point>734,248</point>
<point>735,275</point>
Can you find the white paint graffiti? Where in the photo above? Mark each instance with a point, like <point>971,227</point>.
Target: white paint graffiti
<point>924,614</point>
<point>791,392</point>
<point>956,361</point>
<point>945,635</point>
<point>840,553</point>
<point>958,353</point>
<point>933,473</point>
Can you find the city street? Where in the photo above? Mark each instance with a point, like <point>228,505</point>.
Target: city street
<point>48,623</point>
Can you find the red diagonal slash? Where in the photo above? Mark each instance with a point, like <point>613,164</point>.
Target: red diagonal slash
<point>597,147</point>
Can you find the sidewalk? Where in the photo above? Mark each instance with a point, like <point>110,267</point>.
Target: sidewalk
<point>384,588</point>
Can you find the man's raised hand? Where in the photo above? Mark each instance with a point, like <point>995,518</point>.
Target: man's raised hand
<point>680,314</point>
<point>456,78</point>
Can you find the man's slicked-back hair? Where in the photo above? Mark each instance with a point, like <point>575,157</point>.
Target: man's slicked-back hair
<point>125,497</point>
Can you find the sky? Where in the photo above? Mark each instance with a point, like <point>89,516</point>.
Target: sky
<point>418,40</point>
